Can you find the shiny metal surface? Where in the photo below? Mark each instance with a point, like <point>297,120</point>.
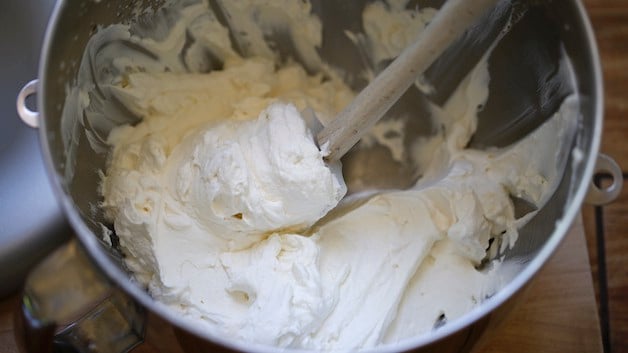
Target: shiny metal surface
<point>32,222</point>
<point>599,196</point>
<point>66,296</point>
<point>543,82</point>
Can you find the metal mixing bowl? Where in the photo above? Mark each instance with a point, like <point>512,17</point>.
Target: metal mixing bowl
<point>526,87</point>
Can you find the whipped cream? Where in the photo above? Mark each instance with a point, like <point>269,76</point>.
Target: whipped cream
<point>225,210</point>
<point>255,177</point>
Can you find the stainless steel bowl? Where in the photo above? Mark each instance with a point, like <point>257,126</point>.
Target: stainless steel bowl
<point>526,88</point>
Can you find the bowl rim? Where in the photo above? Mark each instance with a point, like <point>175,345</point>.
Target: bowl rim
<point>104,262</point>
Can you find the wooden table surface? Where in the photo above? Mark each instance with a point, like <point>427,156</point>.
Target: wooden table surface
<point>607,227</point>
<point>559,313</point>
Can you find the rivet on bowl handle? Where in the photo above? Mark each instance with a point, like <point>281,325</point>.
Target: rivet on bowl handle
<point>597,196</point>
<point>28,116</point>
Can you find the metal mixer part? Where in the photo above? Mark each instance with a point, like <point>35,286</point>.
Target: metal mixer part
<point>28,116</point>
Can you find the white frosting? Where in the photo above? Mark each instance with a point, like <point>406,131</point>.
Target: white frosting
<point>215,195</point>
<point>255,177</point>
<point>389,27</point>
<point>185,172</point>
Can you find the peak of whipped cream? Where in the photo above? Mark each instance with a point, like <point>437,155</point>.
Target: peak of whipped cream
<point>256,176</point>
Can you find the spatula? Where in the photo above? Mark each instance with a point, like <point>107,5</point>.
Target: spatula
<point>375,99</point>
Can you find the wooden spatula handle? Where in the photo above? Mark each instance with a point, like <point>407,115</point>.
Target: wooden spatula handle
<point>374,101</point>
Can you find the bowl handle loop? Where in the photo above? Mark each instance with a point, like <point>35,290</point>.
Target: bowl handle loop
<point>598,196</point>
<point>68,305</point>
<point>28,116</point>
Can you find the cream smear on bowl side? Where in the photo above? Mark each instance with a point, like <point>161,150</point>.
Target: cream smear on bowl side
<point>214,180</point>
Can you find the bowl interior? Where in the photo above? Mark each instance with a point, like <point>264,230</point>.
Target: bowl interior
<point>528,83</point>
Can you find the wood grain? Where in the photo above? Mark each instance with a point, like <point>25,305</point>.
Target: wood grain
<point>559,314</point>
<point>588,216</point>
<point>7,341</point>
<point>610,24</point>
